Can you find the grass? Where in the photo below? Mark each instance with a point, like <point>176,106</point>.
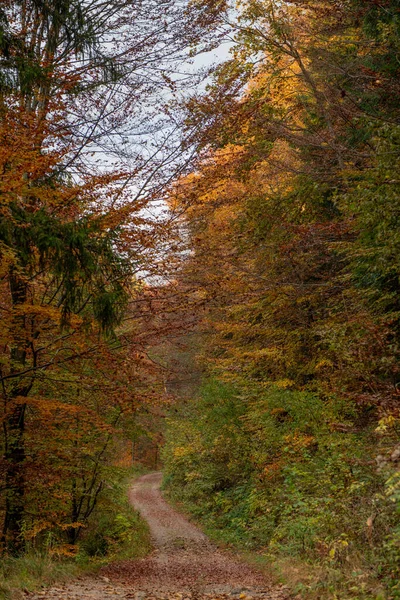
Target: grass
<point>33,570</point>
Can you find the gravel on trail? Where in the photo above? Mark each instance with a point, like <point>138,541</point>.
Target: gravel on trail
<point>184,564</point>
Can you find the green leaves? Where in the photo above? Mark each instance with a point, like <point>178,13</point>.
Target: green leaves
<point>79,256</point>
<point>294,221</point>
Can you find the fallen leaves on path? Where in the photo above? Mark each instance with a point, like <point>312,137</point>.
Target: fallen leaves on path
<point>184,566</point>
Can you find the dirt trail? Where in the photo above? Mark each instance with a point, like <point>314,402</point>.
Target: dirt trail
<point>184,564</point>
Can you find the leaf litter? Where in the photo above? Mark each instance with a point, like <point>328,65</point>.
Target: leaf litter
<point>184,565</point>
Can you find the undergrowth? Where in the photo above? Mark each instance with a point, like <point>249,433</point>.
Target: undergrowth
<point>273,475</point>
<point>115,531</point>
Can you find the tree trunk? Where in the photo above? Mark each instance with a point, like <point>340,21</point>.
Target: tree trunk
<point>14,422</point>
<point>15,479</point>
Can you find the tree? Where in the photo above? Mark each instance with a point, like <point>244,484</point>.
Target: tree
<point>290,224</point>
<point>302,120</point>
<point>78,81</point>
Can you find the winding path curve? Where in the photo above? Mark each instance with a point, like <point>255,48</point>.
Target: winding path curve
<point>183,565</point>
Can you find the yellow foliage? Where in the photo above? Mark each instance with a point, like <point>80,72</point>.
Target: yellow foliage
<point>76,525</point>
<point>323,363</point>
<point>182,451</point>
<point>386,423</point>
<point>65,551</point>
<point>299,441</point>
<point>284,383</point>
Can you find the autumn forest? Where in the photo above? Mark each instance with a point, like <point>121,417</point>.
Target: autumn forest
<point>200,274</point>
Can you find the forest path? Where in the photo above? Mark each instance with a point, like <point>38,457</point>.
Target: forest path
<point>183,565</point>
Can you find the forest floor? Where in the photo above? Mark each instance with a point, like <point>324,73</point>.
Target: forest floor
<point>184,563</point>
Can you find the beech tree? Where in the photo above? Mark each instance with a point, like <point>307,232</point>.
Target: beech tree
<point>84,149</point>
<point>290,221</point>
